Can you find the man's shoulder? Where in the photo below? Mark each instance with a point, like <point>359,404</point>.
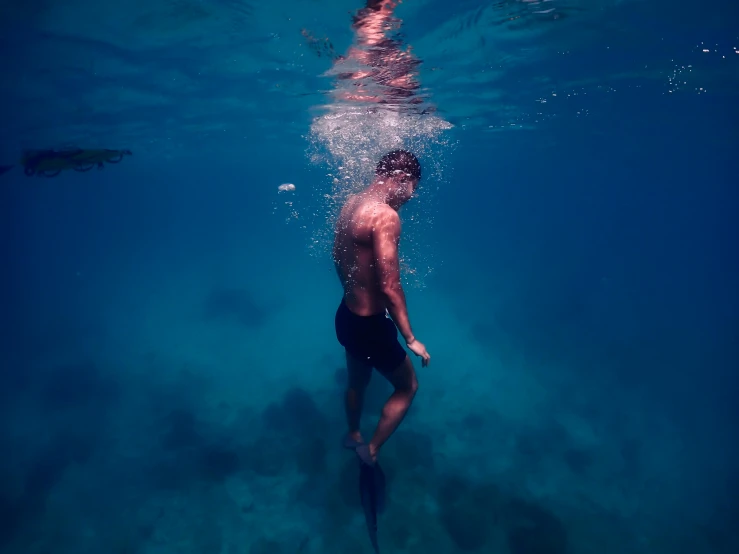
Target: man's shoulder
<point>373,211</point>
<point>385,212</point>
<point>386,222</point>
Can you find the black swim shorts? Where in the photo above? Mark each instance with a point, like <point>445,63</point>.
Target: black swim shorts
<point>373,338</point>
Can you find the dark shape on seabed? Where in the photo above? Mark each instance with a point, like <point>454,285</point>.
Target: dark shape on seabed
<point>11,518</point>
<point>468,511</point>
<point>50,163</point>
<point>536,530</point>
<point>267,456</point>
<point>297,415</point>
<point>235,305</point>
<point>78,387</point>
<point>181,433</point>
<point>216,463</point>
<point>5,168</point>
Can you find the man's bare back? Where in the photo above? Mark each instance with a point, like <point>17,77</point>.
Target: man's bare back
<point>363,224</point>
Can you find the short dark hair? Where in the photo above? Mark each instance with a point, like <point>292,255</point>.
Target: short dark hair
<point>399,160</point>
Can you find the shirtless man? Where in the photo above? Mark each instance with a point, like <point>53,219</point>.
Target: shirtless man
<point>366,256</point>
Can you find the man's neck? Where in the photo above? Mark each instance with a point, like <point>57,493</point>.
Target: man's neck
<point>379,191</point>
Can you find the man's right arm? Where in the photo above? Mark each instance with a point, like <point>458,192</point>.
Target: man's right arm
<point>385,240</point>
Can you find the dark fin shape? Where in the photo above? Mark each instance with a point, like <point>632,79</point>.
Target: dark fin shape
<point>380,486</point>
<point>5,168</point>
<point>368,493</point>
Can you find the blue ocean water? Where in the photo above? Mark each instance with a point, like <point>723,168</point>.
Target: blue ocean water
<point>170,379</point>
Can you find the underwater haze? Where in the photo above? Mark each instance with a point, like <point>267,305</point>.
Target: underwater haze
<point>170,377</point>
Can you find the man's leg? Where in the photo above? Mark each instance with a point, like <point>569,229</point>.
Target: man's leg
<point>359,377</point>
<point>403,378</point>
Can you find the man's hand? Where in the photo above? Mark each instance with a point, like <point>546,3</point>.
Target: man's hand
<point>419,349</point>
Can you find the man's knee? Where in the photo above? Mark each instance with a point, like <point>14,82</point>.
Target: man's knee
<point>410,386</point>
<point>413,385</point>
<point>403,378</point>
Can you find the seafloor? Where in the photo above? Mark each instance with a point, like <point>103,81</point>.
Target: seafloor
<point>208,419</point>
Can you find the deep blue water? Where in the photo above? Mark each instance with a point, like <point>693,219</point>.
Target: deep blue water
<point>170,380</point>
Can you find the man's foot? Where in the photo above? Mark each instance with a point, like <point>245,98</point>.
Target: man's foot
<point>367,454</point>
<point>353,440</point>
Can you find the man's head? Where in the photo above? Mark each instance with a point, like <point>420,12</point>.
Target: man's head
<point>400,170</point>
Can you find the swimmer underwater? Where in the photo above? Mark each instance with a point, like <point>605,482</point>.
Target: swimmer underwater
<point>373,308</point>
